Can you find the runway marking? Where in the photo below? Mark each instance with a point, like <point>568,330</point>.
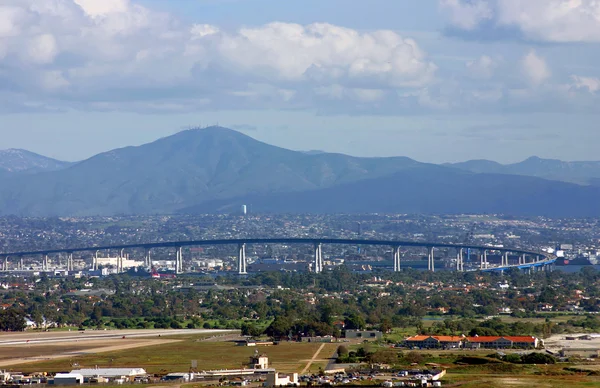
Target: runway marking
<point>313,359</point>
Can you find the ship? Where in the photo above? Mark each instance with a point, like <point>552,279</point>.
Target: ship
<point>157,275</point>
<point>579,260</point>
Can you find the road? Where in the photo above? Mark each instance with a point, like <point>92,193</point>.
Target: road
<point>30,338</point>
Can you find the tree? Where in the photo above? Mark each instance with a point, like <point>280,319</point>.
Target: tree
<point>342,351</point>
<point>37,318</point>
<point>12,319</point>
<point>384,356</point>
<point>280,327</point>
<point>413,358</point>
<point>355,322</point>
<point>386,325</point>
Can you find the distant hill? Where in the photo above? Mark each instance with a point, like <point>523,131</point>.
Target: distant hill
<point>585,173</point>
<point>216,169</point>
<point>428,189</point>
<point>16,161</point>
<point>183,170</point>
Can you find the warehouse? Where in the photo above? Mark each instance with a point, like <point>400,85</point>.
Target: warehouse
<point>111,374</point>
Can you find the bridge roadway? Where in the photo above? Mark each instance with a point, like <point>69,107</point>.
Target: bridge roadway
<point>538,259</point>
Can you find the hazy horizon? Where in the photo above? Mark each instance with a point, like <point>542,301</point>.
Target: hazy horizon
<point>298,150</point>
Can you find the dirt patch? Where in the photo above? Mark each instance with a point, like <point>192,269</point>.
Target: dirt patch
<point>559,341</point>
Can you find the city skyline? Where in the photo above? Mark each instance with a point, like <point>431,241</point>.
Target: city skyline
<point>436,80</point>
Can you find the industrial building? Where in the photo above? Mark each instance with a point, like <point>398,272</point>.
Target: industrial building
<point>110,374</point>
<point>68,379</point>
<point>364,334</point>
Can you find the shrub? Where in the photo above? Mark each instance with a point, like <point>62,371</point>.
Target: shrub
<point>513,358</point>
<point>538,358</point>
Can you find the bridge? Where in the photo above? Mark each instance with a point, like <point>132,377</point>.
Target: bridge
<point>526,259</point>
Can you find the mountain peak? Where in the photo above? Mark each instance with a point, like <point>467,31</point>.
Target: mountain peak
<point>16,160</point>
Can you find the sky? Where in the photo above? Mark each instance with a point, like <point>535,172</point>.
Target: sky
<point>434,80</point>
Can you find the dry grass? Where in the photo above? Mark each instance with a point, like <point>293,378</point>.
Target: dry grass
<point>177,356</point>
<point>491,381</point>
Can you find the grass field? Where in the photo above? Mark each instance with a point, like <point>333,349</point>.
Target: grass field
<point>177,356</point>
<point>10,352</point>
<point>478,381</point>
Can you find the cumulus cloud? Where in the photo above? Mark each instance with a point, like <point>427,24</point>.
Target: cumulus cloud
<point>119,52</point>
<point>466,14</point>
<point>482,67</point>
<point>592,84</point>
<point>540,20</point>
<point>119,55</point>
<point>95,8</point>
<point>535,68</point>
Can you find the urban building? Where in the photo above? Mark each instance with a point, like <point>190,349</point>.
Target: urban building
<point>364,334</point>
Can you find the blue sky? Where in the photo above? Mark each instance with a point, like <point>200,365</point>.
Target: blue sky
<point>435,80</point>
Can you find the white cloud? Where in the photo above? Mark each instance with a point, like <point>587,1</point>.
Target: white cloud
<point>9,21</point>
<point>466,14</point>
<point>117,54</point>
<point>483,67</point>
<point>42,49</point>
<point>592,84</point>
<point>543,20</point>
<point>119,49</point>
<point>95,8</point>
<point>535,68</point>
<point>53,79</point>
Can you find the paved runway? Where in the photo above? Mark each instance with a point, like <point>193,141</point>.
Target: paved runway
<point>29,338</point>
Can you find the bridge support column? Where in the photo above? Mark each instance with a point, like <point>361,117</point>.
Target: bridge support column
<point>5,264</point>
<point>396,256</point>
<point>242,263</point>
<point>460,265</point>
<point>505,257</point>
<point>21,264</point>
<point>430,260</point>
<point>70,265</point>
<point>318,258</point>
<point>147,258</point>
<point>179,261</point>
<point>120,261</point>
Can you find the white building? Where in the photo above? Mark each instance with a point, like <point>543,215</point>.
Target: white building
<point>114,262</point>
<point>278,380</point>
<point>259,362</point>
<point>210,263</point>
<point>68,379</point>
<point>110,373</point>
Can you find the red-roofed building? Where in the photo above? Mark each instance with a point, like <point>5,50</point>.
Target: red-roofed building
<point>491,342</point>
<point>435,341</point>
<point>497,342</point>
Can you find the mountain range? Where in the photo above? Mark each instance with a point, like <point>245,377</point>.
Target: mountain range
<point>217,169</point>
<point>15,161</point>
<point>585,173</point>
